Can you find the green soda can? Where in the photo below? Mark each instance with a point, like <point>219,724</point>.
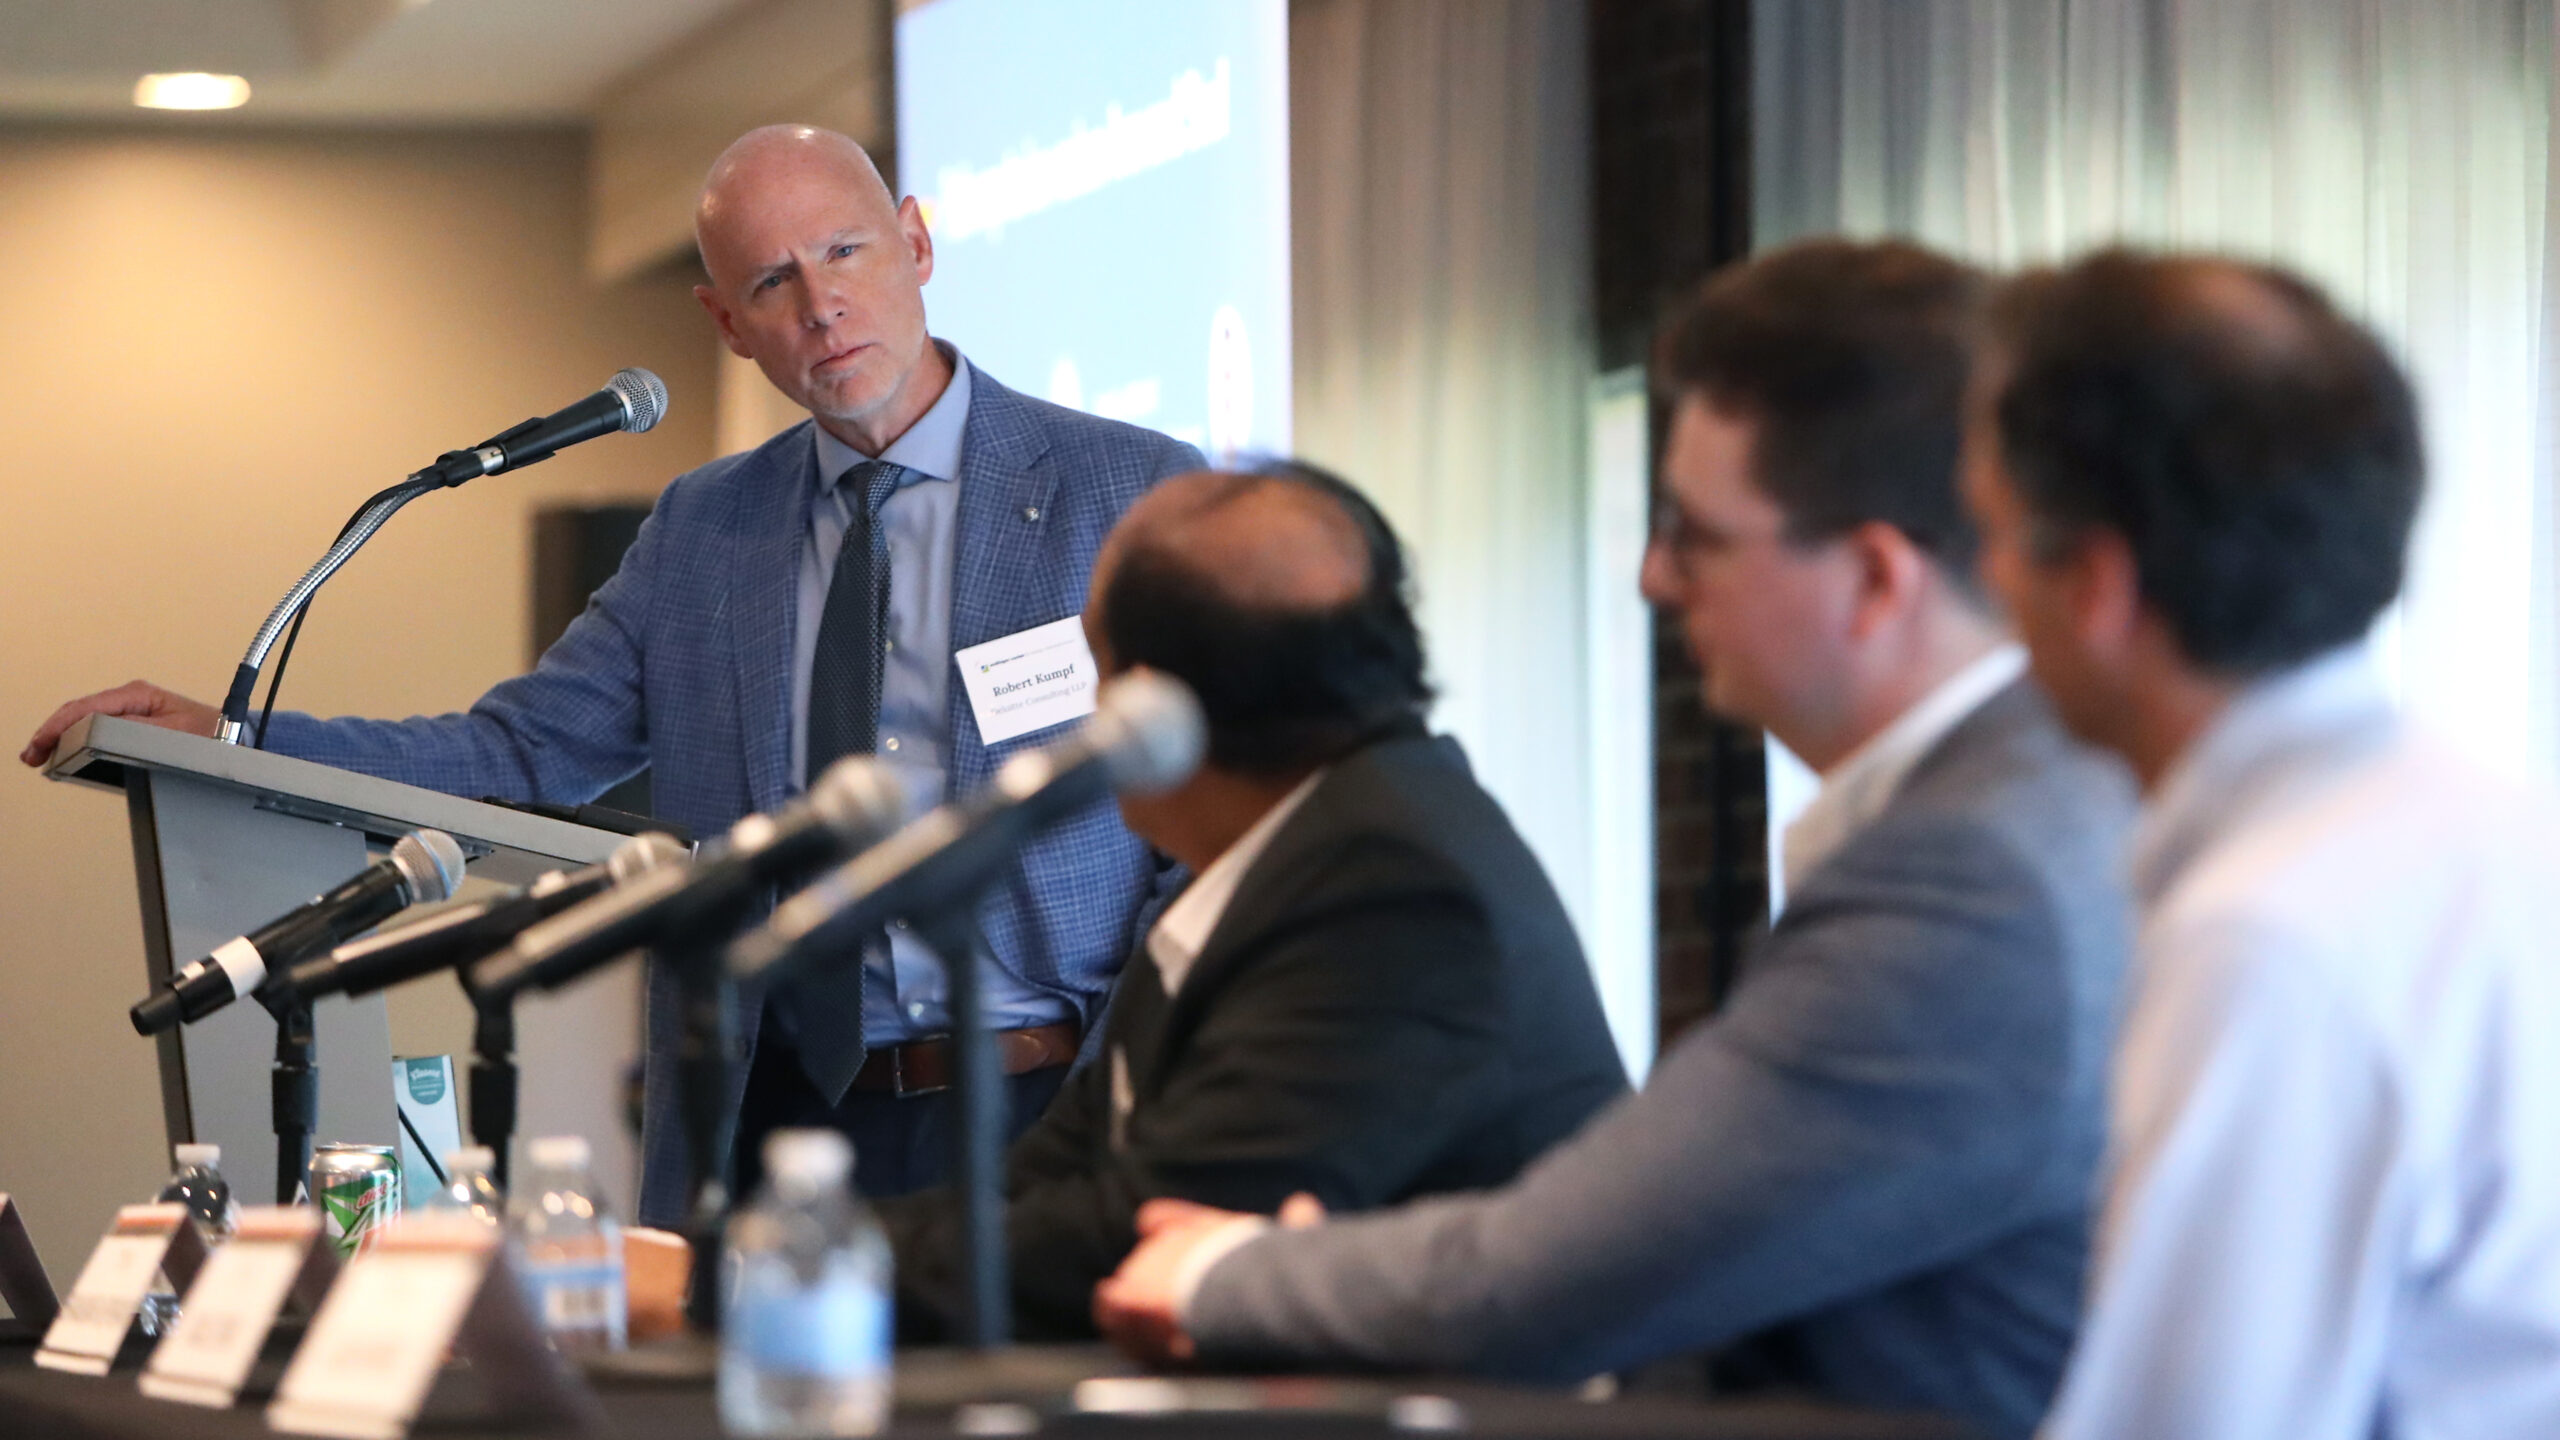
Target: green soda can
<point>357,1189</point>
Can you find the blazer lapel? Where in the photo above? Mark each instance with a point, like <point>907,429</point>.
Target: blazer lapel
<point>1004,489</point>
<point>763,606</point>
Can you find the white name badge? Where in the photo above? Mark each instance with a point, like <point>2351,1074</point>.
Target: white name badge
<point>1029,680</point>
<point>429,1284</point>
<point>276,1252</point>
<point>145,1240</point>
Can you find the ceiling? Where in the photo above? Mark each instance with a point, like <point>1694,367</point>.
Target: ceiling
<point>385,62</point>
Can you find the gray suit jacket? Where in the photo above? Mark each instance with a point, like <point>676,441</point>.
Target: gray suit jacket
<point>1873,1168</point>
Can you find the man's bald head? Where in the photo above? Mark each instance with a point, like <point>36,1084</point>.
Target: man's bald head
<point>2257,450</point>
<point>1280,597</point>
<point>775,156</point>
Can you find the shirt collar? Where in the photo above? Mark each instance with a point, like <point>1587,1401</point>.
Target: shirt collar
<point>2276,726</point>
<point>930,449</point>
<point>1858,789</point>
<point>1186,925</point>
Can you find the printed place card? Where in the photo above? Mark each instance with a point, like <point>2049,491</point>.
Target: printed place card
<point>276,1253</point>
<point>145,1241</point>
<point>429,1284</point>
<point>1029,680</point>
<point>24,1287</point>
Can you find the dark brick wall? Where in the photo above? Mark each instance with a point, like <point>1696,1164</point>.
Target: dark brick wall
<point>1670,95</point>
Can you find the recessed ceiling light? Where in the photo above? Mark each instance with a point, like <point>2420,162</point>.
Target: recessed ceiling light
<point>191,90</point>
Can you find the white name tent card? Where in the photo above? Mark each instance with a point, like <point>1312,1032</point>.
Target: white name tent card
<point>24,1287</point>
<point>429,1284</point>
<point>1029,680</point>
<point>277,1253</point>
<point>145,1242</point>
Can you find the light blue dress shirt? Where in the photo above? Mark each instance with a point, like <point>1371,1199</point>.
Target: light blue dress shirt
<point>904,995</point>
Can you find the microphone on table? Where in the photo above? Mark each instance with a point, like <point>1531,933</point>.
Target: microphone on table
<point>424,866</point>
<point>633,400</point>
<point>1145,734</point>
<point>467,932</point>
<point>856,801</point>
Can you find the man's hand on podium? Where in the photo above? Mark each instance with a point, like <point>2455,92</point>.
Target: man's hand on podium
<point>1141,1306</point>
<point>139,700</point>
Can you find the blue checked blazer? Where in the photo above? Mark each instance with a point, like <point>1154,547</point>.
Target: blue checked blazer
<point>682,663</point>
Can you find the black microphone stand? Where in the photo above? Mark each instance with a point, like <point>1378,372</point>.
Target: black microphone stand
<point>706,1054</point>
<point>293,1088</point>
<point>977,1145</point>
<point>493,1077</point>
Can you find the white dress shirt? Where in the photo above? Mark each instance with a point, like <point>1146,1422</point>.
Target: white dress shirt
<point>1187,923</point>
<point>1857,789</point>
<point>2333,1197</point>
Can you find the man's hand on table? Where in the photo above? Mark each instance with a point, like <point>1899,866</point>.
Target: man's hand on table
<point>139,700</point>
<point>1142,1305</point>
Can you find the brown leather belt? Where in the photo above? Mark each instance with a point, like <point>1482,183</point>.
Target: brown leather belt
<point>921,1067</point>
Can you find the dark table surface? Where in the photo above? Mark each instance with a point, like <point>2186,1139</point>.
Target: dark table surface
<point>943,1393</point>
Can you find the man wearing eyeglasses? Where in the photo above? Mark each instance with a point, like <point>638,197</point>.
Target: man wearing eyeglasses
<point>1868,1176</point>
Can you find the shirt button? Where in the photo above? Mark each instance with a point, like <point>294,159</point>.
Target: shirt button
<point>916,1011</point>
<point>888,647</point>
<point>889,744</point>
<point>897,924</point>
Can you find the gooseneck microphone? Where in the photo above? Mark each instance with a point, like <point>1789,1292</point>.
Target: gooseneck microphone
<point>423,867</point>
<point>632,401</point>
<point>1145,734</point>
<point>856,801</point>
<point>466,932</point>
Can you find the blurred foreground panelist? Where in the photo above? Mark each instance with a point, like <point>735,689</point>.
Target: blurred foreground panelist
<point>800,602</point>
<point>2333,1195</point>
<point>1369,992</point>
<point>1868,1175</point>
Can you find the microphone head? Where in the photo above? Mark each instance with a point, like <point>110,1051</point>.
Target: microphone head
<point>431,861</point>
<point>859,799</point>
<point>643,396</point>
<point>1147,728</point>
<point>643,853</point>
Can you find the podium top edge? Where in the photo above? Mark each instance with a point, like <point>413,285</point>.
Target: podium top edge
<point>101,750</point>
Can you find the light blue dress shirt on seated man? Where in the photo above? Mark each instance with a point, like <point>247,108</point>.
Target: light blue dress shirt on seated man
<point>904,997</point>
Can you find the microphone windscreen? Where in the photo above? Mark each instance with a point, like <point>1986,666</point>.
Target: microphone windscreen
<point>646,852</point>
<point>643,396</point>
<point>432,861</point>
<point>859,799</point>
<point>1148,729</point>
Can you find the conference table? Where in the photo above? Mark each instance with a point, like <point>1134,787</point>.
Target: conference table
<point>1024,1391</point>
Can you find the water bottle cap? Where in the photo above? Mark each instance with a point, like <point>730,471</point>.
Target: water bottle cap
<point>809,1157</point>
<point>205,1155</point>
<point>560,1152</point>
<point>470,1157</point>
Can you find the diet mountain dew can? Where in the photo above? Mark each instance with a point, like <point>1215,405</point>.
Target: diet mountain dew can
<point>357,1191</point>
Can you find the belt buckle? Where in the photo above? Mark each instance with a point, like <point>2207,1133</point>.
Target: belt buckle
<point>898,1085</point>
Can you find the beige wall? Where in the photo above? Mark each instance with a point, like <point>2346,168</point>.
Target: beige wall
<point>210,349</point>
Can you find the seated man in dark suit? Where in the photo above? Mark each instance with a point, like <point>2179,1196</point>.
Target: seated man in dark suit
<point>1369,993</point>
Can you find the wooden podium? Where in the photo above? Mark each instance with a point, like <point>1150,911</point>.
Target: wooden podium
<point>226,838</point>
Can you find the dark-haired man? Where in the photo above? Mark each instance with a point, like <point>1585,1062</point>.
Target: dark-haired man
<point>2333,1208</point>
<point>1369,992</point>
<point>1868,1175</point>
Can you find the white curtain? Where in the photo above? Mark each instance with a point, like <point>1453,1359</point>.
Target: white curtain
<point>2397,151</point>
<point>1444,363</point>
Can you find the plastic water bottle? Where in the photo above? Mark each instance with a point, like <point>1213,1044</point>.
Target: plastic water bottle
<point>468,1190</point>
<point>571,1247</point>
<point>198,1185</point>
<point>804,1338</point>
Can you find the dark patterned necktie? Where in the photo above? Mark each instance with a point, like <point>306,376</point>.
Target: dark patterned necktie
<point>844,719</point>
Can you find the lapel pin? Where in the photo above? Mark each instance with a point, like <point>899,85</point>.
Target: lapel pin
<point>1031,512</point>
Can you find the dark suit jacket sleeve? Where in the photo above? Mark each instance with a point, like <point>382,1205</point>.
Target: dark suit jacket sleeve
<point>1871,1104</point>
<point>1337,1054</point>
<point>566,732</point>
